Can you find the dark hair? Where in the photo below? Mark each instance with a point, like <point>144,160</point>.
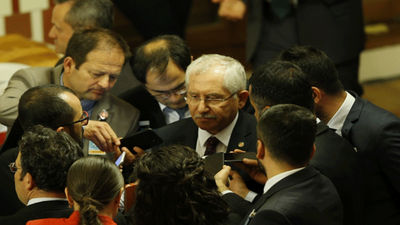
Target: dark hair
<point>288,132</point>
<point>315,64</point>
<point>42,105</point>
<point>174,188</point>
<point>280,83</point>
<point>89,13</point>
<point>47,155</point>
<point>156,57</point>
<point>84,41</point>
<point>93,182</point>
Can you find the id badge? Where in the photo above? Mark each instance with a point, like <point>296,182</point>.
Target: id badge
<point>94,150</point>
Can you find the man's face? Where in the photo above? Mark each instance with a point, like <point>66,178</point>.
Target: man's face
<point>212,118</point>
<point>61,31</point>
<point>74,130</point>
<point>22,192</point>
<point>96,76</point>
<point>169,83</point>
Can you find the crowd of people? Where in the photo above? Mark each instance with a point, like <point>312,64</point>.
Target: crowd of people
<point>323,154</point>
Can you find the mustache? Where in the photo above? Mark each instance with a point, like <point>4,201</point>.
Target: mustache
<point>205,116</point>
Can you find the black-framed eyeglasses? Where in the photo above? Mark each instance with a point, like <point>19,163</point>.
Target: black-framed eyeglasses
<point>84,120</point>
<point>179,90</point>
<point>194,100</point>
<point>13,167</point>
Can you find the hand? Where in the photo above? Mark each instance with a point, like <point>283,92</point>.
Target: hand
<point>102,135</point>
<point>232,10</point>
<point>130,158</point>
<point>237,184</point>
<point>221,178</point>
<point>250,166</point>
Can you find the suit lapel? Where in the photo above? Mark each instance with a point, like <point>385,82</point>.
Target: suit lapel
<point>190,133</point>
<point>240,134</point>
<point>353,115</point>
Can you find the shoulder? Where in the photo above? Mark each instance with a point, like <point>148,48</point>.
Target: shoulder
<point>118,104</point>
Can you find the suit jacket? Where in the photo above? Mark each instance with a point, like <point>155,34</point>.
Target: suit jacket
<point>185,132</point>
<point>149,108</point>
<point>333,26</point>
<point>305,197</point>
<point>375,133</point>
<point>336,159</point>
<point>123,118</point>
<point>48,209</point>
<point>9,201</point>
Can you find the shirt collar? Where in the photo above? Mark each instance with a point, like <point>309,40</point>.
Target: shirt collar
<point>338,119</point>
<point>223,136</point>
<point>37,200</point>
<point>275,179</point>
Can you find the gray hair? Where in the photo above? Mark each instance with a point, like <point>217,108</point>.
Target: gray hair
<point>89,13</point>
<point>234,77</point>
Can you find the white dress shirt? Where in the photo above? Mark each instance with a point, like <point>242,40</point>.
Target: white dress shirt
<point>223,136</point>
<point>338,119</point>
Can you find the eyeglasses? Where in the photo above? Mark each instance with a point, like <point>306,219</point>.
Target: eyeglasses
<point>84,120</point>
<point>13,167</point>
<point>179,90</point>
<point>195,100</point>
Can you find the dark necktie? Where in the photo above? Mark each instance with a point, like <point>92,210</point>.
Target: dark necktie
<point>211,145</point>
<point>280,8</point>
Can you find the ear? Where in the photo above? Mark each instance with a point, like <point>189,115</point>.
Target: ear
<point>317,94</point>
<point>117,201</point>
<point>59,129</point>
<point>69,198</point>
<point>260,150</point>
<point>242,96</point>
<point>314,149</point>
<point>191,57</point>
<point>69,65</point>
<point>29,182</point>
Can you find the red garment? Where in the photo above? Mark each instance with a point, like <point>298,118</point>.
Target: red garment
<point>72,220</point>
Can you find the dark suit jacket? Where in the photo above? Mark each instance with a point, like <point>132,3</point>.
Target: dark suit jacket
<point>336,159</point>
<point>305,197</point>
<point>375,133</point>
<point>185,132</point>
<point>9,202</point>
<point>49,209</point>
<point>149,108</point>
<point>333,26</point>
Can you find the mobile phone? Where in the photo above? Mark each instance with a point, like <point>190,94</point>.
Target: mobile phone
<point>120,159</point>
<point>144,139</point>
<point>214,163</point>
<point>238,157</point>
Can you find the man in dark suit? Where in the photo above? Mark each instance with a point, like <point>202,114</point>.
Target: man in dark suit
<point>33,110</point>
<point>216,93</point>
<point>40,174</point>
<point>294,193</point>
<point>283,83</point>
<point>373,131</point>
<point>160,65</point>
<point>334,26</point>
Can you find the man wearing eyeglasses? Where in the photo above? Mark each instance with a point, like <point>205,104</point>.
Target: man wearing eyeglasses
<point>216,91</point>
<point>66,115</point>
<point>93,62</point>
<point>160,65</point>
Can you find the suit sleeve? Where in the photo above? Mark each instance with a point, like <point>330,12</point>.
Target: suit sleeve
<point>270,217</point>
<point>20,82</point>
<point>388,140</point>
<point>237,204</point>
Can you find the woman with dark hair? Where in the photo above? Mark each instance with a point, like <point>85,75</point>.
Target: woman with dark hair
<point>175,189</point>
<point>94,188</point>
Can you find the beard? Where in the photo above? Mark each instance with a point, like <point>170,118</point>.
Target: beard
<point>261,167</point>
